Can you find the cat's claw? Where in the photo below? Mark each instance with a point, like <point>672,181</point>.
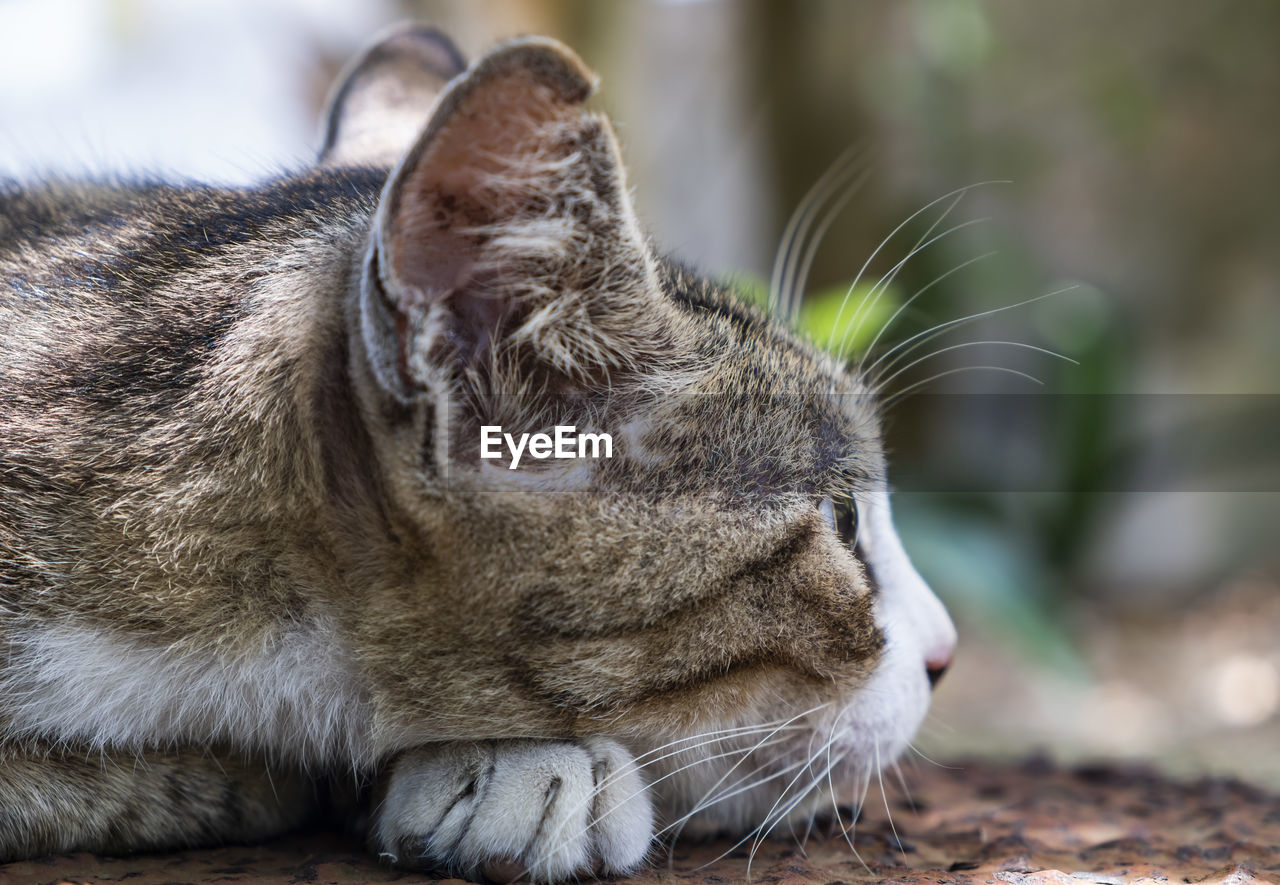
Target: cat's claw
<point>542,810</point>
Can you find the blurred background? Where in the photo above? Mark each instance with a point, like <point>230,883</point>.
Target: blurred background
<point>1105,530</point>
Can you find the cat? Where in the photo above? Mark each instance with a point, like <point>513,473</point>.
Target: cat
<point>253,567</point>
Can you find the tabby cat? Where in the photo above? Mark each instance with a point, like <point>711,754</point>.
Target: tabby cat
<point>253,568</point>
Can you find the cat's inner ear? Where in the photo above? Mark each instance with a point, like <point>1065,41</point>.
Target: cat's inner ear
<point>506,236</point>
<point>381,101</point>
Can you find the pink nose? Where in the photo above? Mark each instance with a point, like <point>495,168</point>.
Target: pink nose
<point>937,662</point>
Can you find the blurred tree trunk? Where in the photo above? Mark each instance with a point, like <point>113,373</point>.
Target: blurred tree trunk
<point>806,63</point>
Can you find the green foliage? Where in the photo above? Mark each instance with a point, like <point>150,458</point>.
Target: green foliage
<point>847,318</point>
<point>751,288</point>
<point>843,317</point>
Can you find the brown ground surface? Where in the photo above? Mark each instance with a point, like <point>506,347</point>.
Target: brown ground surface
<point>972,823</point>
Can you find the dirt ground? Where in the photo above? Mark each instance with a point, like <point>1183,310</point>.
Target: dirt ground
<point>1024,823</point>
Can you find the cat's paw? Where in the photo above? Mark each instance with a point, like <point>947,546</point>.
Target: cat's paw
<point>505,809</point>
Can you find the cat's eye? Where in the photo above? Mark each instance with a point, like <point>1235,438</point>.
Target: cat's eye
<point>841,514</point>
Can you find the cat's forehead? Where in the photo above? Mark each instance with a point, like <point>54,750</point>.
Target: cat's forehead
<point>756,352</point>
<point>764,411</point>
<point>723,312</point>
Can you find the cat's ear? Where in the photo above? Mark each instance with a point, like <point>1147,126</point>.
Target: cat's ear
<point>506,237</point>
<point>381,101</point>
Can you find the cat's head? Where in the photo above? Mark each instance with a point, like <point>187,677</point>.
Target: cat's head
<point>732,565</point>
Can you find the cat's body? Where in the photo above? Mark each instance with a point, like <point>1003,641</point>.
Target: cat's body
<point>248,553</point>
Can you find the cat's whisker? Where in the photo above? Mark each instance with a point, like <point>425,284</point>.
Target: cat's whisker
<point>754,833</point>
<point>744,784</point>
<point>736,789</point>
<point>885,796</point>
<point>769,815</point>
<point>797,225</point>
<point>721,734</point>
<point>773,728</point>
<point>785,813</point>
<point>878,382</point>
<point>849,831</point>
<point>791,295</point>
<point>625,770</point>
<point>906,791</point>
<point>797,285</point>
<point>698,806</point>
<point>873,295</point>
<point>831,787</point>
<point>788,242</point>
<point>939,328</point>
<point>642,761</point>
<point>902,308</point>
<point>937,722</point>
<point>933,333</point>
<point>838,815</point>
<point>701,760</point>
<point>846,832</point>
<point>859,796</point>
<point>898,396</point>
<point>791,829</point>
<point>884,242</point>
<point>808,831</point>
<point>932,761</point>
<point>881,285</point>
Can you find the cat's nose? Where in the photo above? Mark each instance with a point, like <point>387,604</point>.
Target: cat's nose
<point>937,662</point>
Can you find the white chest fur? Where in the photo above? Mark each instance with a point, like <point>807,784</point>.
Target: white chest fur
<point>293,695</point>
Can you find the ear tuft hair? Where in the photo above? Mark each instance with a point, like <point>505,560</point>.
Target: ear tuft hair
<point>505,239</point>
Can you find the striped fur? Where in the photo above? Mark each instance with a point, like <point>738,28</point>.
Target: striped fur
<point>246,539</point>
